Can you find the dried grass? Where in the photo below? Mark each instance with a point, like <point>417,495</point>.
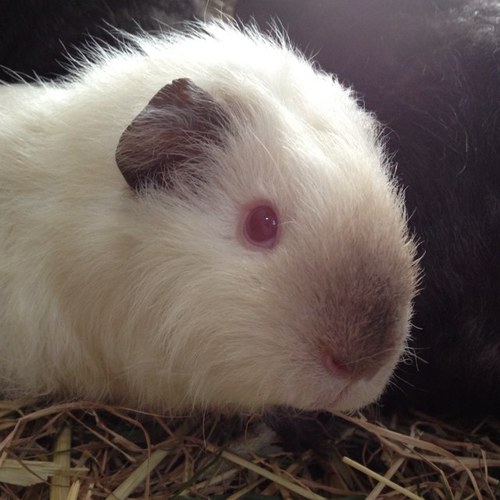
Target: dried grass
<point>83,451</point>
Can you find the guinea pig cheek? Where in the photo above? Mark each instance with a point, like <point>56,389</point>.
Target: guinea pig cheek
<point>259,226</point>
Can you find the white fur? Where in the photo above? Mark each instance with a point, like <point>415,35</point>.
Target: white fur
<point>152,301</point>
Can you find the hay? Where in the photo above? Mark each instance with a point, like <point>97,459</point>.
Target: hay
<point>84,450</point>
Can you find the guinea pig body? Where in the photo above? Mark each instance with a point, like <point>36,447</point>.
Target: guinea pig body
<point>134,275</point>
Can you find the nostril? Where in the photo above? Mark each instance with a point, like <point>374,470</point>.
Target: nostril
<point>334,366</point>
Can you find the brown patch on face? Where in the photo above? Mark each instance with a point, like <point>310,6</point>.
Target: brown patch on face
<point>361,312</point>
<point>169,134</point>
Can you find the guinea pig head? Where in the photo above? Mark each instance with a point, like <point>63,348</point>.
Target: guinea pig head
<point>275,267</point>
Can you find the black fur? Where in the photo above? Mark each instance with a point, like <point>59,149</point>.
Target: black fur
<point>36,36</point>
<point>431,72</point>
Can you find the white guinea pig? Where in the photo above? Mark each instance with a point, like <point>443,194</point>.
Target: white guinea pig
<point>203,221</point>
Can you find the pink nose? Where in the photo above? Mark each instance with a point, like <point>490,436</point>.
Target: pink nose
<point>334,366</point>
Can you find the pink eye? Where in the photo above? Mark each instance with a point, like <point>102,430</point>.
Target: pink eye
<point>261,226</point>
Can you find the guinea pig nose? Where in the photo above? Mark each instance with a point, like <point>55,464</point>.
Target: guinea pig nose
<point>334,366</point>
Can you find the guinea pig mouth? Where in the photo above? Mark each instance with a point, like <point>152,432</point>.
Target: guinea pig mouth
<point>329,403</point>
<point>335,402</point>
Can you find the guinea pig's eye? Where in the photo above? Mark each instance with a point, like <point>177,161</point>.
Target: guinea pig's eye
<point>261,226</point>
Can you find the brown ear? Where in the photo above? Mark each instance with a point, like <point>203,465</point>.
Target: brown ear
<point>172,131</point>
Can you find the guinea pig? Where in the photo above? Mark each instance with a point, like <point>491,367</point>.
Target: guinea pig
<point>430,71</point>
<point>204,221</point>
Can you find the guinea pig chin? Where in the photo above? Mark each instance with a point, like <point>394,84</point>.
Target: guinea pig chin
<point>331,394</point>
